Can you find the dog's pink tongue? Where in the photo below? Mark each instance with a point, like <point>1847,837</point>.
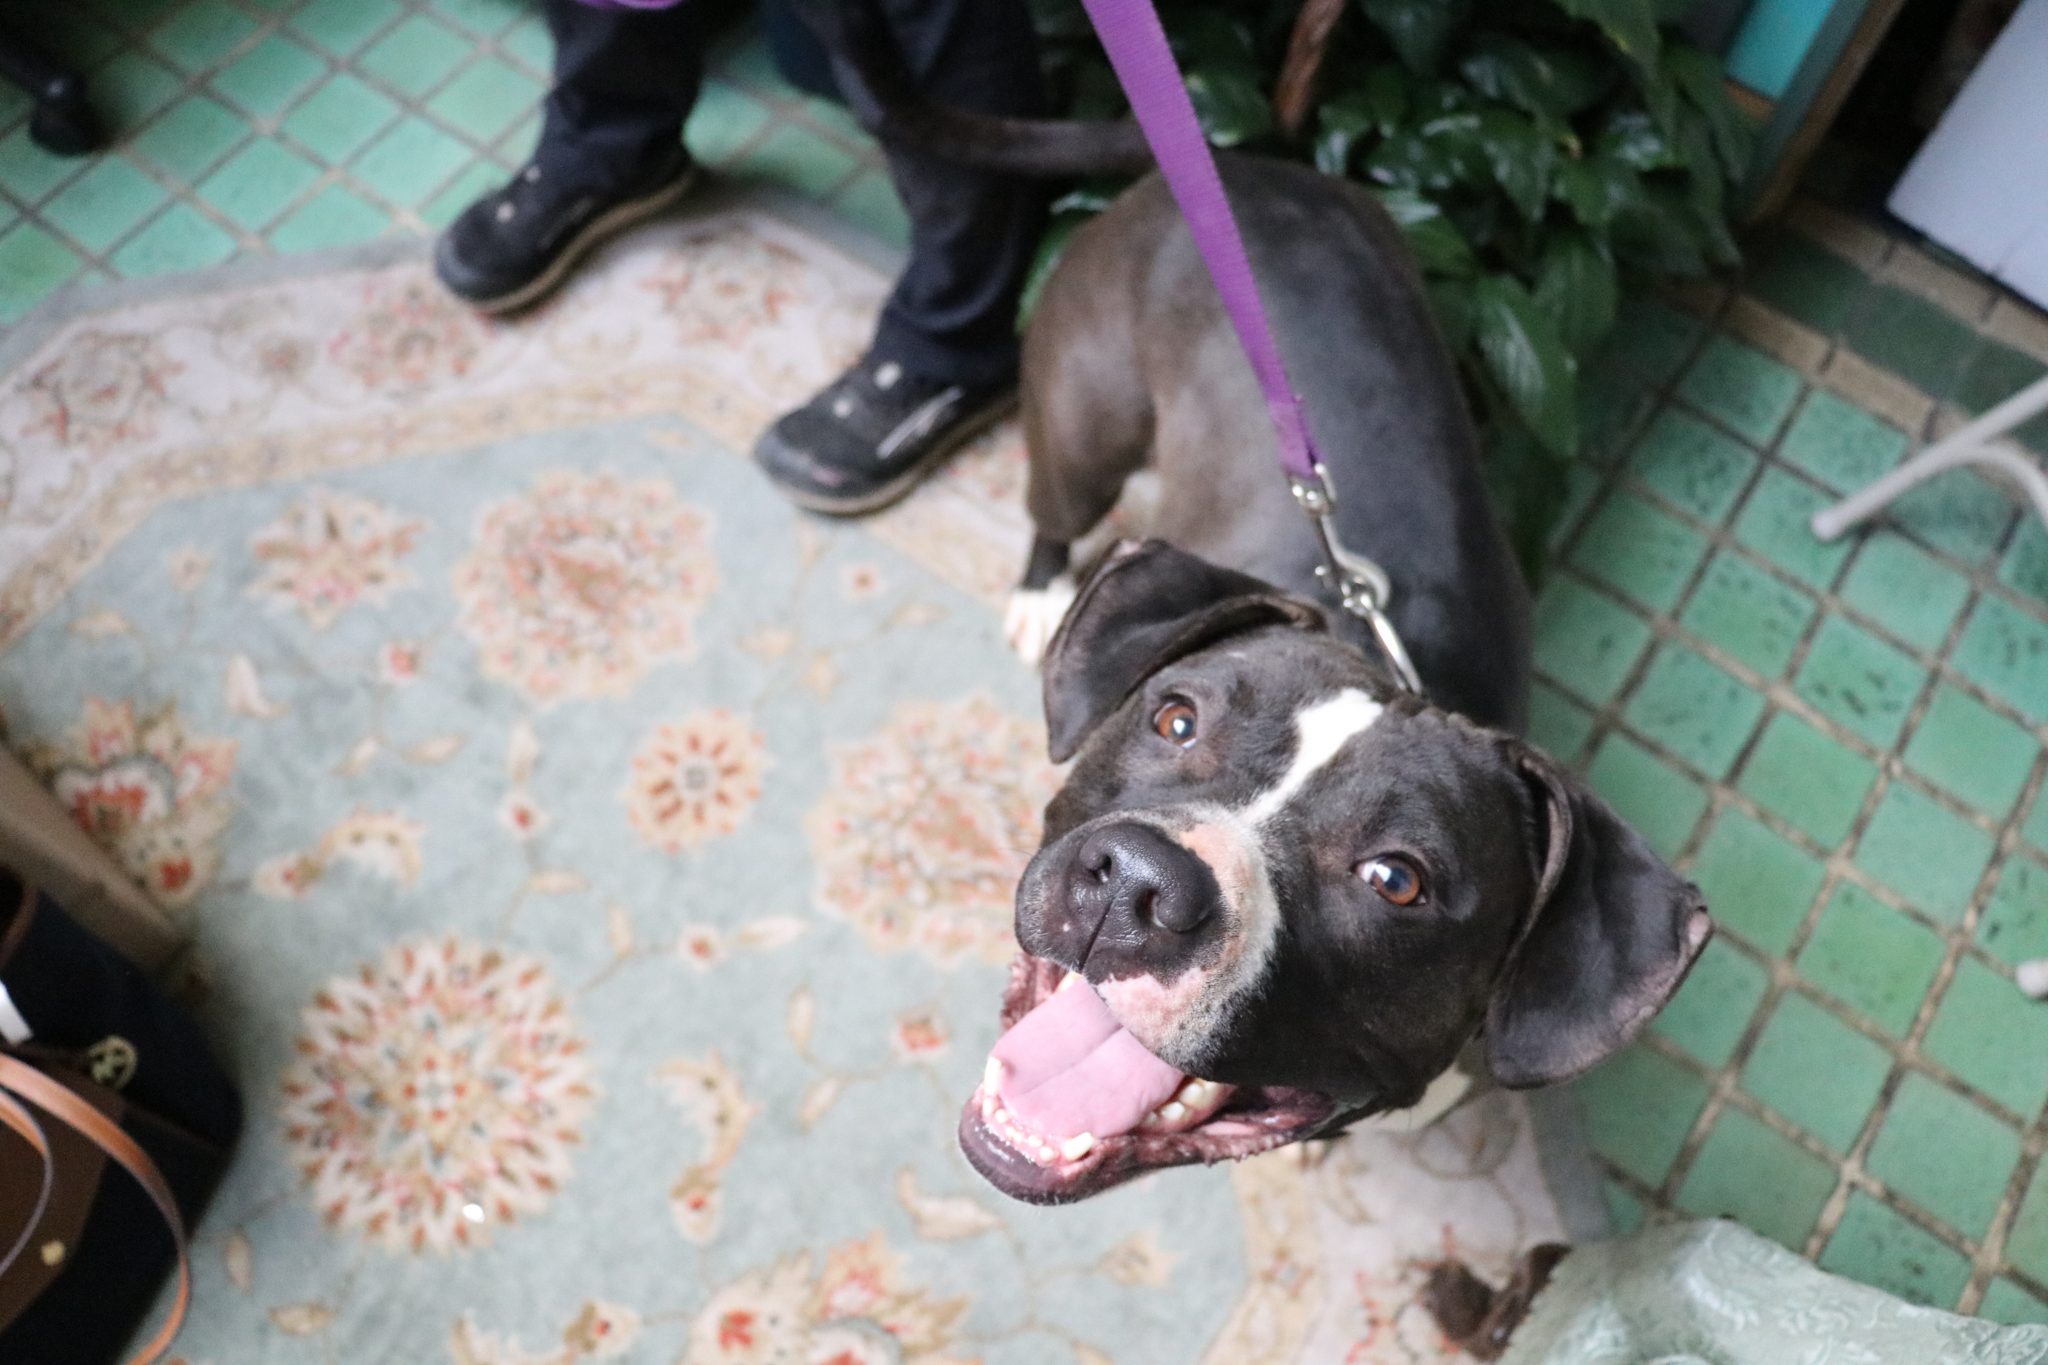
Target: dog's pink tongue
<point>1070,1068</point>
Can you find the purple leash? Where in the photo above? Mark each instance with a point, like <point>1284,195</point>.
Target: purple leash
<point>1136,43</point>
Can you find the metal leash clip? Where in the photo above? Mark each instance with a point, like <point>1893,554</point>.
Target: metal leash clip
<point>1362,586</point>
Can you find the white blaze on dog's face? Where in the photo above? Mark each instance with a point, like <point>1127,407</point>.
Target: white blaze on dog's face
<point>1174,1018</point>
<point>1294,894</point>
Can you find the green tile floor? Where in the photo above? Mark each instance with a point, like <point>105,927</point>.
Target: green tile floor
<point>1842,744</point>
<point>279,126</point>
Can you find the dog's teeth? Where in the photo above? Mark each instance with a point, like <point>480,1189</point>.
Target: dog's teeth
<point>1069,979</point>
<point>1077,1146</point>
<point>1002,1114</point>
<point>1173,1111</point>
<point>992,1076</point>
<point>1046,1153</point>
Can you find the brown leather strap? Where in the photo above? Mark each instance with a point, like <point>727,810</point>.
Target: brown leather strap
<point>11,1111</point>
<point>16,1116</point>
<point>53,1099</point>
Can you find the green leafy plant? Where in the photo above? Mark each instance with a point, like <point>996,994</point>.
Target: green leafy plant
<point>1540,155</point>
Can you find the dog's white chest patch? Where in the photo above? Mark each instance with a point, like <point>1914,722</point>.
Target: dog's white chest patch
<point>1321,730</point>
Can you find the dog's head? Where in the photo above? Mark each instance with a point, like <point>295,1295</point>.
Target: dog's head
<point>1276,894</point>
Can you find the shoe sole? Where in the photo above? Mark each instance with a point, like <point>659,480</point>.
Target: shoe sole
<point>607,224</point>
<point>899,487</point>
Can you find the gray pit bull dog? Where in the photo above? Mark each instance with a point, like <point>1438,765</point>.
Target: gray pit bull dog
<point>1277,894</point>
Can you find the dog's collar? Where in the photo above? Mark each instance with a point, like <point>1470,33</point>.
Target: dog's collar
<point>1362,587</point>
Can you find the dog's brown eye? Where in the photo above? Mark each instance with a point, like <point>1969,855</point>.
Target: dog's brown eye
<point>1175,722</point>
<point>1394,877</point>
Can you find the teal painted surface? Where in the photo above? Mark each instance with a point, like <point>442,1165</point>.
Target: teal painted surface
<point>1774,38</point>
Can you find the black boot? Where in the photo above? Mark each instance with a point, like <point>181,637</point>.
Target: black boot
<point>514,245</point>
<point>872,434</point>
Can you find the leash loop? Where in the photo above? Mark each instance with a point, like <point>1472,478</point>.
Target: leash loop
<point>1361,585</point>
<point>1138,52</point>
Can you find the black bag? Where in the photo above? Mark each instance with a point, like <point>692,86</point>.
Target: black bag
<point>104,1069</point>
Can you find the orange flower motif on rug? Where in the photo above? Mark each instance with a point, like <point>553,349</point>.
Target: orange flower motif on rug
<point>858,1310</point>
<point>599,1331</point>
<point>152,794</point>
<point>330,551</point>
<point>694,780</point>
<point>409,334</point>
<point>436,1095</point>
<point>106,388</point>
<point>928,825</point>
<point>579,587</point>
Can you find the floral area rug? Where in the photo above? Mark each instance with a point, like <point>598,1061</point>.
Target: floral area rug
<point>599,873</point>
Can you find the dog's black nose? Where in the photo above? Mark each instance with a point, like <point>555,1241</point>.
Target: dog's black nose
<point>1149,879</point>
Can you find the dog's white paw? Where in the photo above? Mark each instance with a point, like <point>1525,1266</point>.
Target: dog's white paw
<point>1034,614</point>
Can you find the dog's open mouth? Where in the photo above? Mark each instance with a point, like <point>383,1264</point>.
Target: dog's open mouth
<point>1071,1103</point>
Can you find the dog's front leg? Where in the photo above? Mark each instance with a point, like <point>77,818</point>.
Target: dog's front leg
<point>1039,600</point>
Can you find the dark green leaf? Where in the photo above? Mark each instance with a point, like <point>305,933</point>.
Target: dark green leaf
<point>1700,79</point>
<point>1442,155</point>
<point>1551,82</point>
<point>1204,36</point>
<point>1060,19</point>
<point>1420,30</point>
<point>1406,207</point>
<point>1439,247</point>
<point>1527,358</point>
<point>1660,97</point>
<point>1096,92</point>
<point>1340,124</point>
<point>1529,486</point>
<point>1711,228</point>
<point>1481,219</point>
<point>1632,138</point>
<point>1406,161</point>
<point>1231,107</point>
<point>1596,189</point>
<point>1577,286</point>
<point>1704,185</point>
<point>1386,97</point>
<point>1451,301</point>
<point>1050,247</point>
<point>1090,196</point>
<point>1520,156</point>
<point>1375,104</point>
<point>1631,25</point>
<point>1436,98</point>
<point>1658,231</point>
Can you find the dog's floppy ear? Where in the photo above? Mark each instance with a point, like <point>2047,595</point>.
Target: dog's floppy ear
<point>1145,605</point>
<point>1613,934</point>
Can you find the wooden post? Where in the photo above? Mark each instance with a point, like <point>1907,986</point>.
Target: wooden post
<point>1294,94</point>
<point>43,845</point>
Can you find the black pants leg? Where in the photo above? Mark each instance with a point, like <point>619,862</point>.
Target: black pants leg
<point>624,82</point>
<point>972,235</point>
